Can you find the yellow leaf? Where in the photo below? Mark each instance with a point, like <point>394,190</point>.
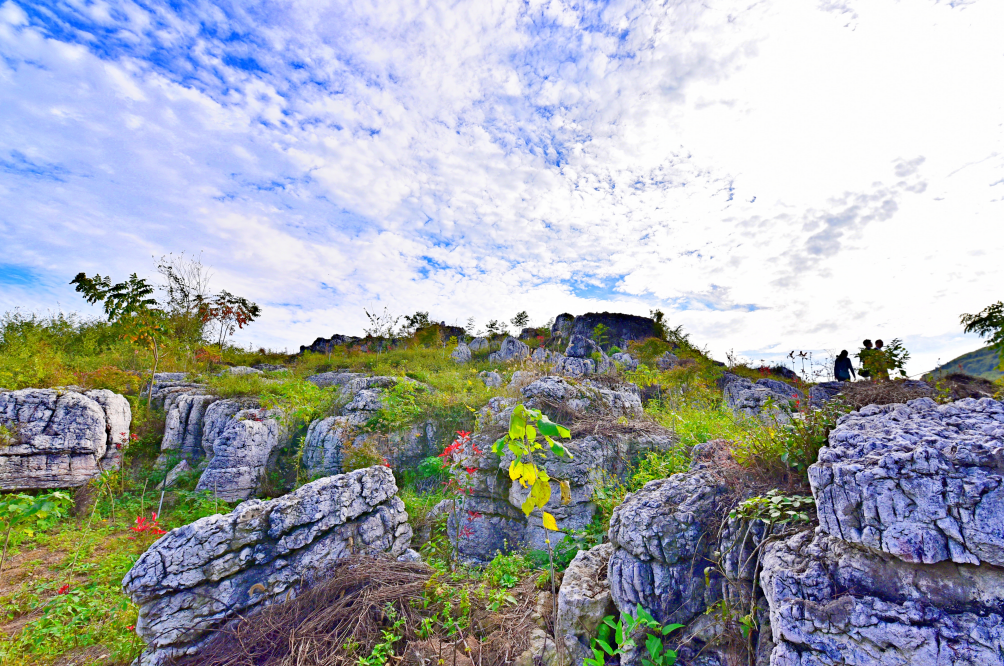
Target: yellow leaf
<point>541,493</point>
<point>529,475</point>
<point>566,492</point>
<point>528,506</point>
<point>514,471</point>
<point>549,522</point>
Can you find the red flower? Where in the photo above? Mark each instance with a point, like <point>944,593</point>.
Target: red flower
<point>130,627</point>
<point>470,470</point>
<point>64,589</point>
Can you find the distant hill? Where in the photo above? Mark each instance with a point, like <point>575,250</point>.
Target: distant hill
<point>981,363</point>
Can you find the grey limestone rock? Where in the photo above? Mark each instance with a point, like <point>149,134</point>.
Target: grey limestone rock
<point>197,577</point>
<point>323,446</point>
<point>583,601</point>
<point>462,354</point>
<point>749,399</point>
<point>562,327</point>
<point>663,536</point>
<point>240,453</point>
<point>824,392</point>
<point>832,603</point>
<point>573,366</point>
<point>491,379</point>
<point>60,438</point>
<point>511,350</point>
<point>478,345</point>
<point>240,370</point>
<point>579,346</point>
<point>175,473</point>
<point>170,377</point>
<point>667,361</point>
<point>625,359</point>
<point>326,379</point>
<point>583,397</point>
<point>184,422</point>
<point>920,481</point>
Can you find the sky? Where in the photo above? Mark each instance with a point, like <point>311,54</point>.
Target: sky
<point>776,175</point>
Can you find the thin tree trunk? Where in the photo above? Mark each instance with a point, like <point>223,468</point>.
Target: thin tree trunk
<point>6,541</point>
<point>153,374</point>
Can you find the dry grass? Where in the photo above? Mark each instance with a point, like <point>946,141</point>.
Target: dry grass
<point>341,619</point>
<point>861,394</point>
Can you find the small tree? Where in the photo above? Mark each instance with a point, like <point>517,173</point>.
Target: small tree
<point>229,313</point>
<point>129,305</point>
<point>381,325</point>
<point>414,322</point>
<point>988,323</point>
<point>520,321</point>
<point>496,327</point>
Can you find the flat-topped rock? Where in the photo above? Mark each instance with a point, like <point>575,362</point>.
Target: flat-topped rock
<point>197,577</point>
<point>920,481</point>
<point>60,438</point>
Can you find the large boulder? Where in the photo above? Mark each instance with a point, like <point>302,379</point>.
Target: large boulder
<point>563,325</point>
<point>511,350</point>
<point>490,519</point>
<point>324,444</point>
<point>462,354</point>
<point>767,398</point>
<point>326,379</point>
<point>920,481</point>
<point>580,346</point>
<point>833,603</point>
<point>239,454</point>
<point>663,538</point>
<point>60,438</point>
<point>573,367</point>
<point>196,578</point>
<point>478,345</point>
<point>184,423</point>
<point>583,601</point>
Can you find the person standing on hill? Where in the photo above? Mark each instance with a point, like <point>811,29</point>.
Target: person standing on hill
<point>881,361</point>
<point>866,357</point>
<point>843,368</point>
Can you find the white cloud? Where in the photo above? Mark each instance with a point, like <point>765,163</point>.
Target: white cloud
<point>777,176</point>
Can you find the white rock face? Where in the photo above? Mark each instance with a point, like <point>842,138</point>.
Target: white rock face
<point>583,601</point>
<point>462,354</point>
<point>920,481</point>
<point>835,603</point>
<point>60,438</point>
<point>322,448</point>
<point>195,578</point>
<point>184,422</point>
<point>511,350</point>
<point>240,454</point>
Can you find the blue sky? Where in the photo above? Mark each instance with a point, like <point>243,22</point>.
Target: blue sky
<point>774,175</point>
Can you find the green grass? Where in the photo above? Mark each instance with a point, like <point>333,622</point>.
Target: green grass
<point>983,362</point>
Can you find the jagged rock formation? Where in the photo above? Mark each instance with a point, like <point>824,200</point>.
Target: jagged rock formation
<point>478,345</point>
<point>240,370</point>
<point>57,438</point>
<point>197,577</point>
<point>579,346</point>
<point>326,379</point>
<point>184,422</point>
<point>749,399</point>
<point>490,518</point>
<point>511,350</point>
<point>327,439</point>
<point>583,601</point>
<point>462,354</point>
<point>663,536</point>
<point>563,325</point>
<point>919,481</point>
<point>239,444</point>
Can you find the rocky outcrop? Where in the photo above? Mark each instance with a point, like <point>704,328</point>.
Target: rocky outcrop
<point>573,367</point>
<point>60,438</point>
<point>583,601</point>
<point>663,537</point>
<point>239,443</point>
<point>478,345</point>
<point>239,371</point>
<point>326,379</point>
<point>462,354</point>
<point>511,350</point>
<point>752,400</point>
<point>579,346</point>
<point>824,392</point>
<point>835,603</point>
<point>625,360</point>
<point>490,517</point>
<point>184,422</point>
<point>491,379</point>
<point>328,439</point>
<point>197,577</point>
<point>621,328</point>
<point>563,325</point>
<point>919,481</point>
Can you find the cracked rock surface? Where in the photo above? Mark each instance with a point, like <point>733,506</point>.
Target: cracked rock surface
<point>197,577</point>
<point>836,603</point>
<point>662,537</point>
<point>920,481</point>
<point>59,438</point>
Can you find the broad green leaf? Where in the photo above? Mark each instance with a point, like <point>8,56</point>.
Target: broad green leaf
<point>670,628</point>
<point>566,492</point>
<point>606,646</point>
<point>549,522</point>
<point>517,423</point>
<point>548,428</point>
<point>497,446</point>
<point>654,646</point>
<point>516,448</point>
<point>531,433</point>
<point>528,506</point>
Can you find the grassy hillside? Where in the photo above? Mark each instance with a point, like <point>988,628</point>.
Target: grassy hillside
<point>980,363</point>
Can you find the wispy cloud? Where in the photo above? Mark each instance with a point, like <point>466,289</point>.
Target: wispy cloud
<point>744,167</point>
